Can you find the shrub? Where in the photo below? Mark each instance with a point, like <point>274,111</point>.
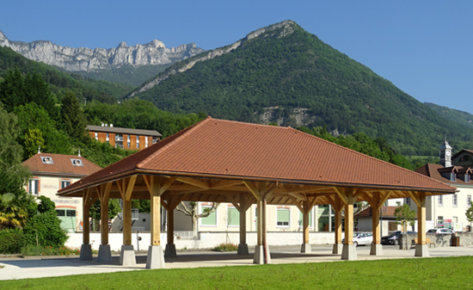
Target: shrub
<point>11,241</point>
<point>225,247</point>
<point>31,250</point>
<point>45,230</point>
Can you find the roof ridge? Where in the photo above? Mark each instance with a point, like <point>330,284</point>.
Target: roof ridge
<point>183,133</point>
<point>365,155</point>
<point>251,124</point>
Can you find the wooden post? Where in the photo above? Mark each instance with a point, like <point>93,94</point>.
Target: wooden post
<point>86,222</point>
<point>86,249</point>
<point>305,222</point>
<point>242,207</point>
<point>170,226</point>
<point>126,222</point>
<point>421,247</point>
<point>105,254</point>
<point>349,250</point>
<point>338,226</point>
<point>104,222</point>
<point>155,220</point>
<point>260,222</point>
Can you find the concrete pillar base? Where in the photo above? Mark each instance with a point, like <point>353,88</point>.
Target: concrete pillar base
<point>305,248</point>
<point>259,257</point>
<point>170,251</point>
<point>155,258</point>
<point>243,249</point>
<point>337,249</point>
<point>105,255</point>
<point>349,252</point>
<point>422,251</point>
<point>127,256</point>
<point>86,252</point>
<point>376,250</point>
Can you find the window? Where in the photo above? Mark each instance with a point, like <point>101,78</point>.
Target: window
<point>468,200</point>
<point>453,176</point>
<point>128,142</point>
<point>233,216</point>
<point>71,212</point>
<point>210,220</point>
<point>440,221</point>
<point>107,137</point>
<point>61,212</point>
<point>76,162</point>
<point>146,142</point>
<point>96,136</point>
<point>467,178</point>
<point>65,183</point>
<point>137,142</point>
<point>440,200</point>
<point>283,214</point>
<point>33,186</point>
<point>455,200</point>
<point>408,201</point>
<point>47,160</point>
<point>119,141</point>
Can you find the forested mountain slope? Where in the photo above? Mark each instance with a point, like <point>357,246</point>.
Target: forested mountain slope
<point>285,75</point>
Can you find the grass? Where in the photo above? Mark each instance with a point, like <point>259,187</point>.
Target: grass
<point>429,273</point>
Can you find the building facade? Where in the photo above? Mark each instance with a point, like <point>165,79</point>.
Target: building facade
<point>449,211</point>
<point>125,138</point>
<point>52,172</point>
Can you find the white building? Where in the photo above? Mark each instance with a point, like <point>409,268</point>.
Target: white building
<point>448,211</point>
<point>52,172</point>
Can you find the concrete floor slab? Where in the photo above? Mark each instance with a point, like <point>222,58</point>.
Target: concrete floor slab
<point>21,268</point>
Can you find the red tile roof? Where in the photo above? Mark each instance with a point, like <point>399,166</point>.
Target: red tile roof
<point>61,165</point>
<point>387,212</point>
<point>229,149</point>
<point>435,171</point>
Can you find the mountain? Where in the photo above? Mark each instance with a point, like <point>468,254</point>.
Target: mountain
<point>285,75</point>
<point>60,81</point>
<point>87,59</point>
<point>460,117</point>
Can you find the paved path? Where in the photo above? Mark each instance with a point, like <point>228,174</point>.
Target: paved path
<point>19,268</point>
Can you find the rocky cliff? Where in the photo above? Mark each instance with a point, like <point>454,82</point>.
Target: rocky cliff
<point>87,59</point>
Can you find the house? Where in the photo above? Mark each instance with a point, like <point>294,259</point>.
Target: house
<point>52,172</point>
<point>388,222</point>
<point>126,138</point>
<point>448,211</point>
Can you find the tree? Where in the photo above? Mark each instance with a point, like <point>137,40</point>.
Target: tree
<point>73,118</point>
<point>469,213</point>
<point>191,209</point>
<point>44,229</point>
<point>33,141</point>
<point>15,203</point>
<point>404,216</point>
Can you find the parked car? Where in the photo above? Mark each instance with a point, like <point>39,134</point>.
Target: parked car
<point>360,239</point>
<point>439,231</point>
<point>393,239</point>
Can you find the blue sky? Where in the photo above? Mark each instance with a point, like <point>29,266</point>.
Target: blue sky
<point>423,47</point>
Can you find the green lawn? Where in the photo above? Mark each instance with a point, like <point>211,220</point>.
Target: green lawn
<point>430,273</point>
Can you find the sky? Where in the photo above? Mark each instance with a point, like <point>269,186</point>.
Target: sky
<point>424,47</point>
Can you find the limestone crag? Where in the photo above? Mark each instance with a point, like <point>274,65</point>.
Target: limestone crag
<point>87,59</point>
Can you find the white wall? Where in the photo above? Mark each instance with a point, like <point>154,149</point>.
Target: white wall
<point>206,240</point>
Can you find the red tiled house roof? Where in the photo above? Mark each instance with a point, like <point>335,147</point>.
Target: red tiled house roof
<point>236,150</point>
<point>60,165</point>
<point>435,171</point>
<point>386,212</point>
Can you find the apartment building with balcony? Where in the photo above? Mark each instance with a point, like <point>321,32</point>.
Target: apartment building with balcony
<point>126,138</point>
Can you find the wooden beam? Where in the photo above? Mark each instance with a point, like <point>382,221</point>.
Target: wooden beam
<point>342,195</point>
<point>193,181</point>
<point>253,189</point>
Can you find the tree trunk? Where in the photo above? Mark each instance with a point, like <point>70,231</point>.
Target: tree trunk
<point>194,227</point>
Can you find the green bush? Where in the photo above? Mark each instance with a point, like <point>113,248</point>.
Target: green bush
<point>31,250</point>
<point>225,247</point>
<point>45,230</point>
<point>11,241</point>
